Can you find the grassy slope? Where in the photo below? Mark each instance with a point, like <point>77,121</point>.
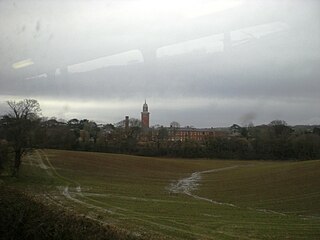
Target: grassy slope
<point>27,217</point>
<point>292,187</point>
<point>131,192</point>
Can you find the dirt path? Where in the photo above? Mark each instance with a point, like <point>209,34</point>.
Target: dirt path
<point>189,184</point>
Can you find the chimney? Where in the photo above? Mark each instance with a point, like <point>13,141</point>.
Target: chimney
<point>126,122</point>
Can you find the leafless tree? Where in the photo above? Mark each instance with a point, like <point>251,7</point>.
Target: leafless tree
<point>19,126</point>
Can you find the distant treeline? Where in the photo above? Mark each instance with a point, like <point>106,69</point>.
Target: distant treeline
<point>275,140</point>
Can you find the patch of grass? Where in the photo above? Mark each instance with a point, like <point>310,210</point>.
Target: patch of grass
<point>131,193</point>
<point>289,187</point>
<point>27,217</point>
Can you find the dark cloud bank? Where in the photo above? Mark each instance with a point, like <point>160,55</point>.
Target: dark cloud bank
<point>273,76</point>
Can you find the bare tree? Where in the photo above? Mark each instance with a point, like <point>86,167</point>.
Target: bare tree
<point>280,128</point>
<point>19,126</point>
<point>174,124</point>
<point>25,109</point>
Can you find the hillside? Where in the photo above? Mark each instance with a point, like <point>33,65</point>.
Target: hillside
<point>178,198</point>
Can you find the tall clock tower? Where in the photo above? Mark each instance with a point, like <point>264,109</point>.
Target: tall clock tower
<point>145,116</point>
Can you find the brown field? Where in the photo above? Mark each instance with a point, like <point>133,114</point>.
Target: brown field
<point>179,198</point>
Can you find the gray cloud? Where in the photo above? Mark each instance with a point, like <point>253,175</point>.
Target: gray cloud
<point>268,68</point>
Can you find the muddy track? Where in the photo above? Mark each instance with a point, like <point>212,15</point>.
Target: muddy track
<point>190,184</point>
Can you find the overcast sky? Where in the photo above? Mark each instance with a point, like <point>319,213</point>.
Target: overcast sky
<point>200,63</point>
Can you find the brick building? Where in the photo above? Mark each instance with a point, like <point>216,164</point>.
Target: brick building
<point>189,133</point>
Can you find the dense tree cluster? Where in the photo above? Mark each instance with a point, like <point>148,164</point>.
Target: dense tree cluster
<point>273,141</point>
<point>22,130</point>
<point>276,140</point>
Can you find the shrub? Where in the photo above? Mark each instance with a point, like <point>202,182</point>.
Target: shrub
<point>25,217</point>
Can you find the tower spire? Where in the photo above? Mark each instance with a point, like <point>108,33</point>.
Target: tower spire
<point>145,115</point>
